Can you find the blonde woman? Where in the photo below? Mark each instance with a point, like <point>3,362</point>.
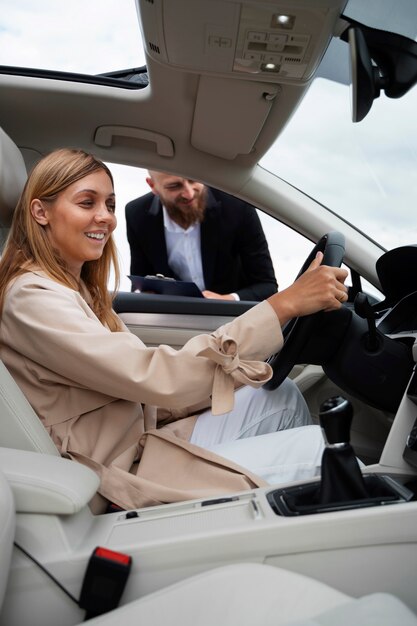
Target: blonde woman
<point>157,424</point>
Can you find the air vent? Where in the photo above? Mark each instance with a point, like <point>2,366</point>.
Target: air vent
<point>154,47</point>
<point>292,60</point>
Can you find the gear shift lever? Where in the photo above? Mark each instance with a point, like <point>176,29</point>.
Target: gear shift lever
<point>341,477</point>
<point>335,419</point>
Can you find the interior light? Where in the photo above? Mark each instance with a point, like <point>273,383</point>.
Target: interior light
<point>270,67</point>
<point>280,20</point>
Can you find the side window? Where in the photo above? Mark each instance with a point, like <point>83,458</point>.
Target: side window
<point>129,183</point>
<point>288,249</point>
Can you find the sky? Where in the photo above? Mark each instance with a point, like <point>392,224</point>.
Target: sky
<point>366,171</point>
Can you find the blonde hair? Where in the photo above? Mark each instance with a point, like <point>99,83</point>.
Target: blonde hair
<point>29,246</point>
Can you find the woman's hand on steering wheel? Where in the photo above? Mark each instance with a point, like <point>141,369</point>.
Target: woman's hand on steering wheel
<point>319,288</point>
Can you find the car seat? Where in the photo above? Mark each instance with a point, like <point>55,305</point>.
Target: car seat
<point>19,425</point>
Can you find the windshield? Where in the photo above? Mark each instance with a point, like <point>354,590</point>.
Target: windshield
<point>365,172</point>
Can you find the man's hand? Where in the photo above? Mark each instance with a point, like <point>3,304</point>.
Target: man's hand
<point>217,296</point>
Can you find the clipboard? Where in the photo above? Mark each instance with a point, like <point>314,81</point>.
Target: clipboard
<point>163,285</point>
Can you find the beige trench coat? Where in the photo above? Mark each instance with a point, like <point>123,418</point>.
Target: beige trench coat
<point>97,392</point>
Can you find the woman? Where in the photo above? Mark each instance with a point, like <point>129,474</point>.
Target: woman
<point>96,387</point>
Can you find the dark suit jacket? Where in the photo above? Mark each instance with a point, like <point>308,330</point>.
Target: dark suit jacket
<point>234,250</point>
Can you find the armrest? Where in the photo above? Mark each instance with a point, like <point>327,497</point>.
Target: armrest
<point>43,483</point>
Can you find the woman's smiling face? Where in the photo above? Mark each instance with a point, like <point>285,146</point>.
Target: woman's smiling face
<point>80,220</point>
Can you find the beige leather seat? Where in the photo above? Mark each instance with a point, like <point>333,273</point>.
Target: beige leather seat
<point>19,426</point>
<point>258,595</point>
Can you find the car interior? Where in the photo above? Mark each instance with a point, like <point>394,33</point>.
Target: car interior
<point>336,550</point>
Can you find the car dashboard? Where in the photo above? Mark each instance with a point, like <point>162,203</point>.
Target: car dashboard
<point>401,319</point>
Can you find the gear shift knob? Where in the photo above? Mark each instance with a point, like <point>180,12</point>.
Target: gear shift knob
<point>341,477</point>
<point>335,419</point>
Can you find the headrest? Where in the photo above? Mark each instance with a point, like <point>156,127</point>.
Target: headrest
<point>13,176</point>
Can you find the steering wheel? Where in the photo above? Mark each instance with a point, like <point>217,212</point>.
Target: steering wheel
<point>298,330</point>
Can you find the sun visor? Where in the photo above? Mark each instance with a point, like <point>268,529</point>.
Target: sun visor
<point>229,115</point>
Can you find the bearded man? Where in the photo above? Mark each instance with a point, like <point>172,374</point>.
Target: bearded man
<point>188,231</point>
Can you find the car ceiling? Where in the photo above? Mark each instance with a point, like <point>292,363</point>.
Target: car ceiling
<point>187,118</point>
<point>206,120</point>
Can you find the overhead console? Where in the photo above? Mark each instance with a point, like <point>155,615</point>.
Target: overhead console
<point>278,41</point>
<point>272,48</point>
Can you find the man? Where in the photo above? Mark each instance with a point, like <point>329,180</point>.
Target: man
<point>188,231</point>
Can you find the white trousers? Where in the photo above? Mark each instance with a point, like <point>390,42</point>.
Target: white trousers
<point>268,432</point>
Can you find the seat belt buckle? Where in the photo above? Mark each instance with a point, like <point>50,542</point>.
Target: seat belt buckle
<point>104,581</point>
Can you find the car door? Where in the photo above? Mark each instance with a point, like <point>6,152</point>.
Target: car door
<point>173,320</point>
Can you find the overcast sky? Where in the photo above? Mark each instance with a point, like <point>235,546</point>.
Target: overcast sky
<point>365,171</point>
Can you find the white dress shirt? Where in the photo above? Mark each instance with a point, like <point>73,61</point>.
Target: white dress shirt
<point>184,250</point>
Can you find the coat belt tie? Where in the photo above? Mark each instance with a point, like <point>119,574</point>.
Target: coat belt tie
<point>231,369</point>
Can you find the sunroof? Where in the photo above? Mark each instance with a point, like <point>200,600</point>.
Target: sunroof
<point>98,37</point>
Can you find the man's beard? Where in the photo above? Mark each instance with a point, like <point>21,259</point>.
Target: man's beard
<point>185,215</point>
